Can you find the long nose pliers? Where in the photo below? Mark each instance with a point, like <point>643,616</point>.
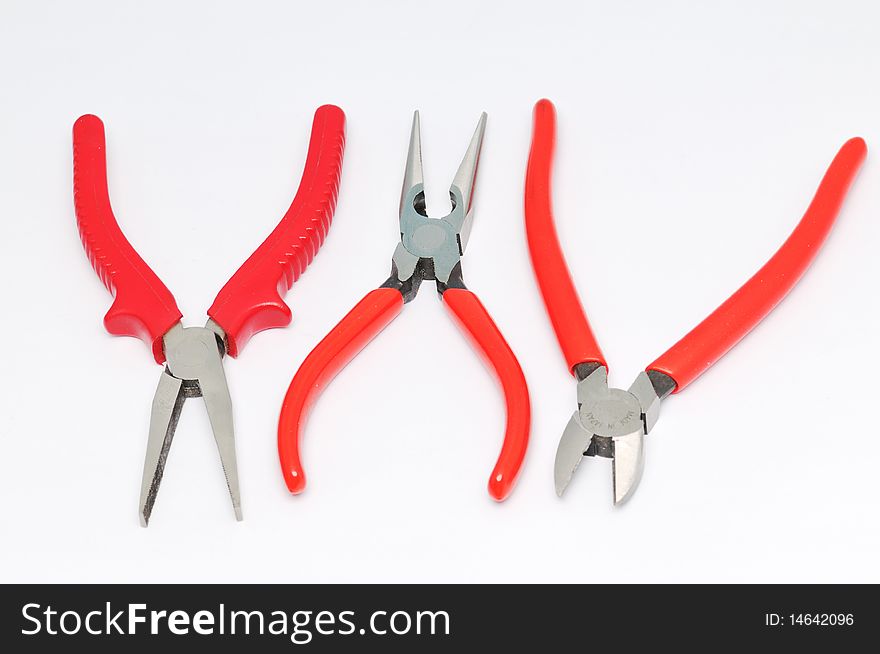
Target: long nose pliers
<point>612,423</point>
<point>251,300</point>
<point>429,249</point>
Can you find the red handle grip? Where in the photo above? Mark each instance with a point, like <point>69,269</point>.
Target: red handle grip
<point>472,317</point>
<point>560,297</point>
<point>251,300</point>
<point>717,334</point>
<point>143,306</point>
<point>360,326</point>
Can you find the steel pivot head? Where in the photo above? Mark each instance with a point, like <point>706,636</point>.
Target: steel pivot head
<point>194,368</point>
<point>610,423</point>
<point>436,244</point>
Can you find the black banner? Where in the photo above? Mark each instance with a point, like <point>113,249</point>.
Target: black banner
<point>431,618</point>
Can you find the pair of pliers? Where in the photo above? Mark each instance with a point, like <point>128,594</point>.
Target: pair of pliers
<point>429,249</point>
<point>249,302</point>
<point>611,422</point>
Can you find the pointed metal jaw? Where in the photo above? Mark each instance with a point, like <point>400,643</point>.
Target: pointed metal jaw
<point>413,191</point>
<point>611,423</point>
<point>194,369</point>
<point>462,188</point>
<point>442,240</point>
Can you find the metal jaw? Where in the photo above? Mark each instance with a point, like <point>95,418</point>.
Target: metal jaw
<point>611,423</point>
<point>431,248</point>
<point>194,368</point>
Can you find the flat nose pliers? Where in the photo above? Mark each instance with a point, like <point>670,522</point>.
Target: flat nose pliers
<point>429,249</point>
<point>611,422</point>
<point>249,302</point>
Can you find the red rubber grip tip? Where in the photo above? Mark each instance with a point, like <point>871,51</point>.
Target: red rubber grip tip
<point>728,324</point>
<point>472,317</point>
<point>251,300</point>
<point>143,306</point>
<point>360,326</point>
<point>567,316</point>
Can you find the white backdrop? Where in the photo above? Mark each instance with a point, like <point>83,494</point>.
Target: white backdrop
<point>691,139</point>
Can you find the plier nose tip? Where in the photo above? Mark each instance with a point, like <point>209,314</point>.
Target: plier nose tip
<point>194,369</point>
<point>466,175</point>
<point>627,454</point>
<point>413,175</point>
<point>461,190</point>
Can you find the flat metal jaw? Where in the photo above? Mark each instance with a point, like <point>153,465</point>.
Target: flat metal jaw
<point>433,247</point>
<point>194,368</point>
<point>611,423</point>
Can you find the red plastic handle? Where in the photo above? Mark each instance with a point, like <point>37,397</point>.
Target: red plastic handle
<point>717,334</point>
<point>360,326</point>
<point>251,300</point>
<point>560,297</point>
<point>143,306</point>
<point>472,317</point>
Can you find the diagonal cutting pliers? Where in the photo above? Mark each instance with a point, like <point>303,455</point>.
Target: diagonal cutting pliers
<point>611,422</point>
<point>429,249</point>
<point>251,300</point>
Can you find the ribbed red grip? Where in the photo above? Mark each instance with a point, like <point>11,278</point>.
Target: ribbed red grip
<point>712,338</point>
<point>143,306</point>
<point>360,326</point>
<point>251,300</point>
<point>472,317</point>
<point>567,316</point>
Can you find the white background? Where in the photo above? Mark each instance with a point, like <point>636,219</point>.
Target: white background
<point>691,138</point>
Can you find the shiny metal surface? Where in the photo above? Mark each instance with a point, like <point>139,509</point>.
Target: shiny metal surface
<point>194,368</point>
<point>611,423</point>
<point>431,248</point>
